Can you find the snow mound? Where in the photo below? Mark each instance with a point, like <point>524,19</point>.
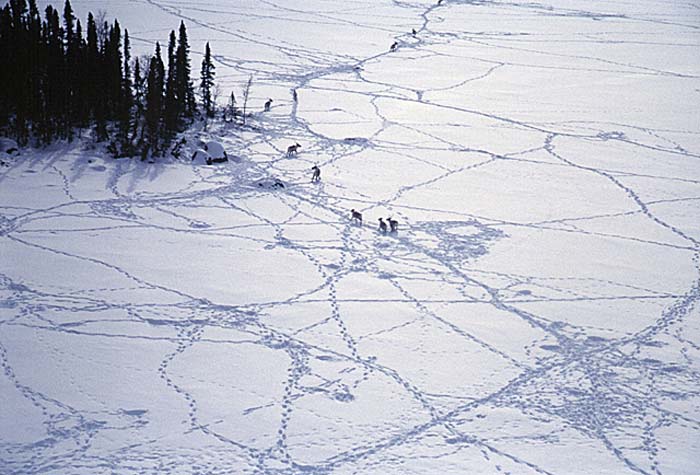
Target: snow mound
<point>216,150</point>
<point>201,157</point>
<point>8,146</point>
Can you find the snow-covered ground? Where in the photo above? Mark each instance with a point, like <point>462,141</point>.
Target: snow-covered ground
<point>536,312</point>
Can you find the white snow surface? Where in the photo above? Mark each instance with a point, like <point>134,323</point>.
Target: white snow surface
<point>536,313</point>
<point>200,157</point>
<point>215,149</point>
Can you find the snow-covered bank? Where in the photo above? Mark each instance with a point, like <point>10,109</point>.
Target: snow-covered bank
<point>536,312</point>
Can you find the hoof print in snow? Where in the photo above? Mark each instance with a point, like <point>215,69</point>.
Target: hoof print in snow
<point>356,140</point>
<point>595,339</point>
<point>343,397</point>
<point>612,135</point>
<point>199,225</point>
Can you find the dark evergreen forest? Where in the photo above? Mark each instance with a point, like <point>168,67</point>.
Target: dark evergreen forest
<point>61,79</point>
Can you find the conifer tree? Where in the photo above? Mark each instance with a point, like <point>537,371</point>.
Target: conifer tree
<point>71,51</point>
<point>207,84</point>
<point>126,78</point>
<point>127,101</point>
<point>139,88</point>
<point>112,69</point>
<point>80,86</point>
<point>5,102</point>
<point>93,79</point>
<point>36,69</point>
<point>69,23</point>
<point>231,111</point>
<point>171,110</point>
<point>139,102</point>
<point>54,84</point>
<point>184,90</point>
<point>154,104</point>
<point>17,91</point>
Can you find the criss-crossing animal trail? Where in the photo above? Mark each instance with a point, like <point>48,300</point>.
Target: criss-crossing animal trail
<point>285,339</point>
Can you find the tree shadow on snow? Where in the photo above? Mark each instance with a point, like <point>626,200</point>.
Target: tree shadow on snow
<point>144,171</point>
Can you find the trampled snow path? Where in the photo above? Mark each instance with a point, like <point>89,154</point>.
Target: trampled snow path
<point>536,313</point>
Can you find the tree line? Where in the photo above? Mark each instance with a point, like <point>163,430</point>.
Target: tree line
<point>58,79</point>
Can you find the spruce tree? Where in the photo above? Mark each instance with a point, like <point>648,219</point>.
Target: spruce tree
<point>68,23</point>
<point>126,78</point>
<point>127,101</point>
<point>139,93</point>
<point>231,111</point>
<point>184,90</point>
<point>93,79</point>
<point>80,83</point>
<point>35,50</point>
<point>54,85</point>
<point>70,104</point>
<point>17,90</point>
<point>6,103</point>
<point>207,84</point>
<point>171,111</point>
<point>154,104</point>
<point>112,69</point>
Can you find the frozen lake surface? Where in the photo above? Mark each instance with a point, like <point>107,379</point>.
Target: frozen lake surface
<point>535,313</point>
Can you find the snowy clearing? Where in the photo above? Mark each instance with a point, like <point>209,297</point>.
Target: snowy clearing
<point>535,313</point>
